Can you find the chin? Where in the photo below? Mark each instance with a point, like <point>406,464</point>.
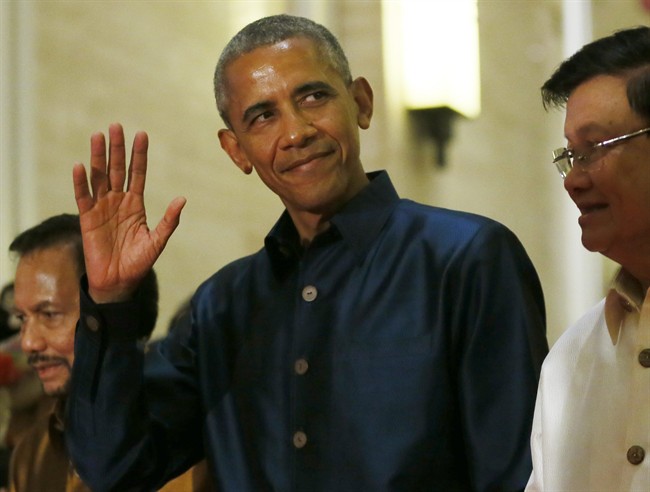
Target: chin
<point>590,246</point>
<point>57,390</point>
<point>594,244</point>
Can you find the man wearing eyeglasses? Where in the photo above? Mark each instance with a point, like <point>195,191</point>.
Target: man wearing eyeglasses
<point>591,429</point>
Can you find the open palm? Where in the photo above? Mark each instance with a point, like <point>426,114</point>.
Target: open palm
<point>118,245</point>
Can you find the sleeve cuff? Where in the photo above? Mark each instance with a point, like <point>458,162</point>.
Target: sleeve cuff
<point>115,322</point>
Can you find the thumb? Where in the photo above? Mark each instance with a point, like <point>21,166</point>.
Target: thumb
<point>170,221</point>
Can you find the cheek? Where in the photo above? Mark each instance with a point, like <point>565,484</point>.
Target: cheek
<point>343,131</point>
<point>65,340</point>
<point>640,186</point>
<point>631,195</point>
<point>262,159</point>
<point>608,183</point>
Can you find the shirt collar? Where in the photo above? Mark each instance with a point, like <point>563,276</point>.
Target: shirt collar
<point>55,424</point>
<point>358,223</point>
<point>625,296</point>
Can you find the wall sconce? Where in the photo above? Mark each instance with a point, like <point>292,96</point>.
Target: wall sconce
<point>440,65</point>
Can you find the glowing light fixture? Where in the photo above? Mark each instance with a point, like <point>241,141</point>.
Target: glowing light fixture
<point>440,63</point>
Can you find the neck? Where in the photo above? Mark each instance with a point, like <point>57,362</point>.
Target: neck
<point>309,226</point>
<point>636,260</point>
<point>312,222</point>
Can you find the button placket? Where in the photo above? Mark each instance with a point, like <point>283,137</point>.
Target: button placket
<point>309,293</point>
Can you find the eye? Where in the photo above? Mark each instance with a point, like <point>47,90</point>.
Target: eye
<point>579,155</point>
<point>316,97</point>
<point>262,117</point>
<point>49,316</point>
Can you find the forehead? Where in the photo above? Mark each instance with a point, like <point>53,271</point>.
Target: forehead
<point>49,273</point>
<point>282,64</point>
<point>289,51</point>
<point>601,100</point>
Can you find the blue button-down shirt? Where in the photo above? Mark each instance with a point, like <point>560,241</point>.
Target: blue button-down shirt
<point>400,352</point>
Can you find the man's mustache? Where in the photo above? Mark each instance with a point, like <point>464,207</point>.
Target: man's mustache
<point>33,359</point>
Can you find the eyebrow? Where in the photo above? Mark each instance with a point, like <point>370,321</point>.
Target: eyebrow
<point>256,108</point>
<point>590,127</point>
<point>313,86</point>
<point>39,306</point>
<point>305,88</point>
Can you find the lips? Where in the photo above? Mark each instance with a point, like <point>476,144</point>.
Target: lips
<point>590,208</point>
<point>590,213</point>
<point>48,369</point>
<point>44,367</point>
<point>307,160</point>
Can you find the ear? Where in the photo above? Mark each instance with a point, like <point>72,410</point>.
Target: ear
<point>230,144</point>
<point>363,96</point>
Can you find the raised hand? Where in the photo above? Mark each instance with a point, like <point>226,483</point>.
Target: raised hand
<point>118,245</point>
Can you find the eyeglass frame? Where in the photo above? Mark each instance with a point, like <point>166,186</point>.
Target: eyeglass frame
<point>563,158</point>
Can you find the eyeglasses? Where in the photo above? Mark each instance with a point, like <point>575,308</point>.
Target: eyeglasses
<point>564,158</point>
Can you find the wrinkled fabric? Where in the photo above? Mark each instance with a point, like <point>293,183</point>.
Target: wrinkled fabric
<point>594,399</point>
<point>400,352</point>
<point>39,462</point>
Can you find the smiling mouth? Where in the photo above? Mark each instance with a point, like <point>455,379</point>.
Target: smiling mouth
<point>307,160</point>
<point>44,368</point>
<point>586,210</point>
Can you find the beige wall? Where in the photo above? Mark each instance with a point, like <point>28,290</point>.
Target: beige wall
<point>77,66</point>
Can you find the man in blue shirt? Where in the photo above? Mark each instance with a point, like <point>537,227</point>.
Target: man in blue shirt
<point>373,344</point>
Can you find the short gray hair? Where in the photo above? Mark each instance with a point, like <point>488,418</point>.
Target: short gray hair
<point>271,30</point>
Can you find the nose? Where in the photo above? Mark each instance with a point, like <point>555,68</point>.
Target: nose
<point>31,339</point>
<point>577,180</point>
<point>298,130</point>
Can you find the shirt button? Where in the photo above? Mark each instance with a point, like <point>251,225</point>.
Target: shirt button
<point>92,323</point>
<point>301,366</point>
<point>635,455</point>
<point>299,439</point>
<point>309,293</point>
<point>644,358</point>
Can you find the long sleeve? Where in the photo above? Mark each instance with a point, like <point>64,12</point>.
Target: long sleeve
<point>117,433</point>
<point>401,351</point>
<point>502,326</point>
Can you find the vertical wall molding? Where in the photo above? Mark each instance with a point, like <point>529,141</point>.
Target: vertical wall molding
<point>583,270</point>
<point>17,126</point>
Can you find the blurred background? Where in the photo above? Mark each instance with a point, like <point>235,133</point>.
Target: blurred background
<point>70,68</point>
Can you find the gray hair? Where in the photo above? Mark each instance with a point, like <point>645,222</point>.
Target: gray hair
<point>271,30</point>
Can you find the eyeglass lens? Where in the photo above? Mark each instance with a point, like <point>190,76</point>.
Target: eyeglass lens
<point>562,160</point>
